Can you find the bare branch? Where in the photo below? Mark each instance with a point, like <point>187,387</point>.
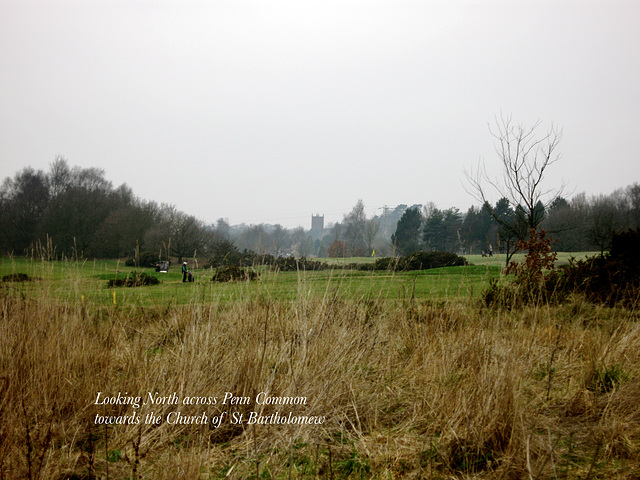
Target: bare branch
<point>525,159</point>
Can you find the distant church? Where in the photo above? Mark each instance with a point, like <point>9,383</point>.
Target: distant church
<point>317,226</point>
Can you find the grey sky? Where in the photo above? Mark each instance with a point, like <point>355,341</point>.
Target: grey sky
<point>269,111</point>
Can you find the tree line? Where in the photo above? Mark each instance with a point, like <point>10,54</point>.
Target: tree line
<point>72,211</point>
<point>583,223</point>
<point>76,212</point>
<point>527,206</point>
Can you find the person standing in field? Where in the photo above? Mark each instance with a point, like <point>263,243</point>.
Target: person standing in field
<point>185,271</point>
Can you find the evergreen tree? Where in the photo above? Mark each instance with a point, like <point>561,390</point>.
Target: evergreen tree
<point>407,236</point>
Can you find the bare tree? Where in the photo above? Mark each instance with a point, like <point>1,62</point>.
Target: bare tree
<point>254,238</point>
<point>633,195</point>
<point>371,231</point>
<point>301,242</point>
<point>278,236</point>
<point>354,230</point>
<point>605,220</point>
<point>23,202</point>
<point>525,157</point>
<point>59,176</point>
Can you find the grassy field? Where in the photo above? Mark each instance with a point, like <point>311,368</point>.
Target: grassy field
<point>496,260</point>
<point>309,375</point>
<point>86,281</point>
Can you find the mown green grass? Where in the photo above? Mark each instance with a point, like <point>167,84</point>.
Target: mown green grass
<point>563,258</point>
<point>498,259</point>
<point>86,281</point>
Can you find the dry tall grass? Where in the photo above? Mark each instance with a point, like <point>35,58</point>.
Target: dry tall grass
<point>410,390</point>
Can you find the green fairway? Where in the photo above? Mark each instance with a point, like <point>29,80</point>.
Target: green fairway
<point>497,259</point>
<point>500,258</point>
<point>86,281</point>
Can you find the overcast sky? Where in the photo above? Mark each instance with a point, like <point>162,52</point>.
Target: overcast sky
<point>270,111</point>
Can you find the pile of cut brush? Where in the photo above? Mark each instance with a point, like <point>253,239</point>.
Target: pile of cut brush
<point>133,279</point>
<point>16,277</point>
<point>231,273</point>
